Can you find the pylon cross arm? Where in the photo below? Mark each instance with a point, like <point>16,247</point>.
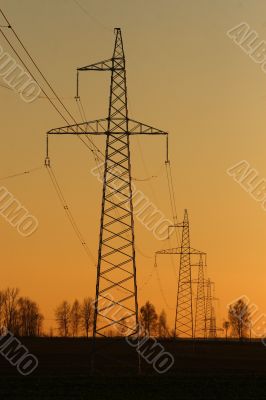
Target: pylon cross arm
<point>106,65</point>
<point>100,127</point>
<point>95,127</point>
<point>138,128</point>
<point>179,250</point>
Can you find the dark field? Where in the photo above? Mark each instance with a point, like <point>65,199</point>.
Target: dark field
<point>204,370</point>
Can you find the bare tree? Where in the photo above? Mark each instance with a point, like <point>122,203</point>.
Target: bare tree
<point>226,326</point>
<point>29,319</point>
<point>148,318</point>
<point>75,316</point>
<point>20,315</point>
<point>10,301</point>
<point>2,314</point>
<point>163,330</point>
<point>39,324</point>
<point>239,318</point>
<point>63,318</point>
<point>87,310</point>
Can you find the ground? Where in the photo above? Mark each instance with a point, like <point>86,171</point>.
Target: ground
<point>202,370</point>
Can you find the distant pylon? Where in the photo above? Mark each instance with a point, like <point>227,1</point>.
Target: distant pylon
<point>200,313</point>
<point>184,310</point>
<point>211,330</point>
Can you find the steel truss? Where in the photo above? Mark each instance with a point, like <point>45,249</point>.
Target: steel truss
<point>116,304</point>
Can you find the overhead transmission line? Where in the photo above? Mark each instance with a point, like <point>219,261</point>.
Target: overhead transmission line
<point>3,178</point>
<point>69,214</point>
<point>91,17</point>
<point>173,207</point>
<point>95,148</point>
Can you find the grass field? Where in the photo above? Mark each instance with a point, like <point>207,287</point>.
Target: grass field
<point>202,370</point>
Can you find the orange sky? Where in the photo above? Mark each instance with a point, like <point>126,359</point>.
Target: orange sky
<point>184,76</point>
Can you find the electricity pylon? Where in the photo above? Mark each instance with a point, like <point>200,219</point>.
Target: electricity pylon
<point>184,309</point>
<point>200,313</point>
<point>211,329</point>
<point>116,304</point>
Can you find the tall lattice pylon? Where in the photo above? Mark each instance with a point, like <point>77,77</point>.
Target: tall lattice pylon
<point>200,312</point>
<point>184,310</point>
<point>116,305</point>
<point>116,287</point>
<point>211,329</point>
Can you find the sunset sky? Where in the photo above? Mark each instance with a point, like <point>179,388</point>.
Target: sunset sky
<point>185,76</point>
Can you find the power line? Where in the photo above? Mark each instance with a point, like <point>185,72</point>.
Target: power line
<point>33,76</point>
<point>36,66</point>
<point>172,198</point>
<point>91,17</point>
<point>44,78</point>
<point>69,213</point>
<point>21,173</point>
<point>161,286</point>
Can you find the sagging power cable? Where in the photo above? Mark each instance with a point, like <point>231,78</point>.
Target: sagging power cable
<point>172,198</point>
<point>3,178</point>
<point>69,213</point>
<point>94,147</point>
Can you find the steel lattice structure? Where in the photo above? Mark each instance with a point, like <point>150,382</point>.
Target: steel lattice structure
<point>211,329</point>
<point>200,312</point>
<point>184,309</point>
<point>116,304</point>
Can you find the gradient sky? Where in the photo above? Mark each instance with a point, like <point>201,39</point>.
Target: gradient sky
<point>184,76</point>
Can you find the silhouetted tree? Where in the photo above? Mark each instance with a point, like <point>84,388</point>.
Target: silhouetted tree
<point>148,318</point>
<point>75,316</point>
<point>87,310</point>
<point>40,320</point>
<point>29,319</point>
<point>226,326</point>
<point>239,318</point>
<point>10,301</point>
<point>20,315</point>
<point>163,330</point>
<point>63,318</point>
<point>2,314</point>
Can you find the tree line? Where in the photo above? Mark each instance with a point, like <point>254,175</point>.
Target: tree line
<point>76,319</point>
<point>20,315</point>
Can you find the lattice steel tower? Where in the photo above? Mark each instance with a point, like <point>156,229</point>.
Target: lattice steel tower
<point>211,329</point>
<point>184,310</point>
<point>200,313</point>
<point>116,304</point>
<point>116,259</point>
